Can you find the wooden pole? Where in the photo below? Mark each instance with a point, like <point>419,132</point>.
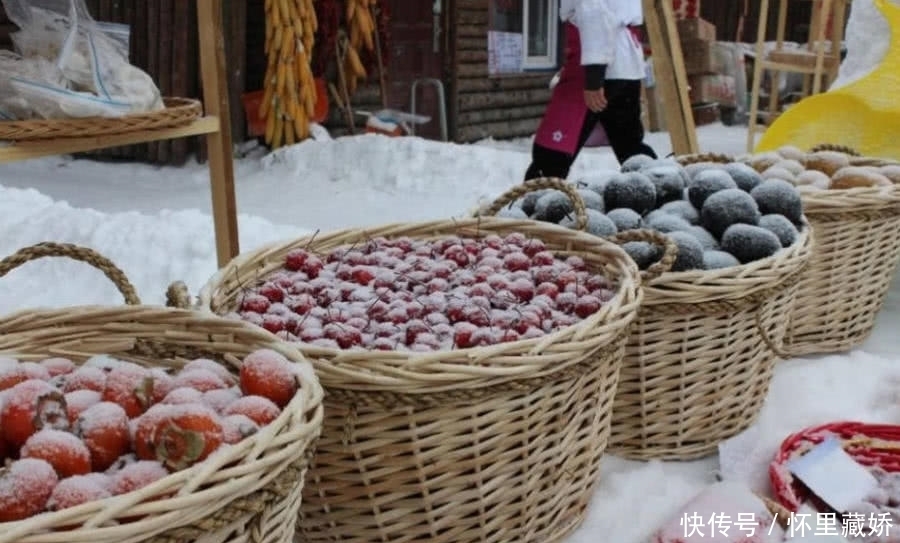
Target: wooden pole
<point>215,99</point>
<point>670,75</point>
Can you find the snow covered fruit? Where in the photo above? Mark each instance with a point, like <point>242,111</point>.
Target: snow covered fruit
<point>727,207</point>
<point>748,243</point>
<point>60,455</point>
<point>633,190</point>
<point>706,183</point>
<point>418,295</point>
<point>781,197</point>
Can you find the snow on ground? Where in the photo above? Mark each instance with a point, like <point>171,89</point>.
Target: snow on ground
<point>154,223</point>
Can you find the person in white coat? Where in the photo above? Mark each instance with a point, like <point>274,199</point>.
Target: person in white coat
<point>600,83</point>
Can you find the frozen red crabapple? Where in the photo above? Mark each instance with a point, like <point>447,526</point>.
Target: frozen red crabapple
<point>425,295</point>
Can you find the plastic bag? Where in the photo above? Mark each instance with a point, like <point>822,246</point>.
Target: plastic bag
<point>16,106</point>
<point>92,57</point>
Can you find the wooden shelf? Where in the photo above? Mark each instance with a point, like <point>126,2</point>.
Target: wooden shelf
<point>215,126</point>
<point>39,148</point>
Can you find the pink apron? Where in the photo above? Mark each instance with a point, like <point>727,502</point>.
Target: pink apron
<point>564,116</point>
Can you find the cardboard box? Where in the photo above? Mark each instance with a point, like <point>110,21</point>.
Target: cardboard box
<point>701,57</point>
<point>696,30</point>
<point>686,9</point>
<point>705,114</point>
<point>706,89</point>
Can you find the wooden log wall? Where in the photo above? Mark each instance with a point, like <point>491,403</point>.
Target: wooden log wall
<point>164,43</point>
<point>726,16</point>
<point>506,106</point>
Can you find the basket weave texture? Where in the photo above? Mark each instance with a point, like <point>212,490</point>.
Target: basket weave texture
<point>490,444</point>
<point>178,112</point>
<point>875,445</point>
<point>249,492</point>
<point>700,356</point>
<point>854,261</point>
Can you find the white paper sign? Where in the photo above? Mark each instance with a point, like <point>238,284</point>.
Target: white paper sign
<point>832,475</point>
<point>506,52</point>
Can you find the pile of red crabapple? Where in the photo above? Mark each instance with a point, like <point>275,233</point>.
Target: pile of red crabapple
<point>425,295</point>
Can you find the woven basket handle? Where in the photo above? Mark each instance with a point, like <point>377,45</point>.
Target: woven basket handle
<point>82,254</point>
<point>718,158</point>
<point>535,184</point>
<point>670,250</point>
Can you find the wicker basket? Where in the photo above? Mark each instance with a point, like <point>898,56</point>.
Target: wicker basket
<point>857,250</point>
<point>178,112</point>
<point>249,493</point>
<point>876,445</point>
<point>499,443</point>
<point>700,356</point>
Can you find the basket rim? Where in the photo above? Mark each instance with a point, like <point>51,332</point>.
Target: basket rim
<point>695,286</point>
<point>453,369</point>
<point>227,468</point>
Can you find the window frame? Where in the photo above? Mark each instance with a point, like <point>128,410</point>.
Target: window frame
<point>550,61</point>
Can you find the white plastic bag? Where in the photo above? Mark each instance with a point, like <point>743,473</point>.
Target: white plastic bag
<point>92,57</point>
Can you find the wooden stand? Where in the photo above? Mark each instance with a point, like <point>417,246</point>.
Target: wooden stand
<point>671,78</point>
<point>215,124</point>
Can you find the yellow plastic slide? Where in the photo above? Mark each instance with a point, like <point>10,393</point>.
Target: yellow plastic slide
<point>864,115</point>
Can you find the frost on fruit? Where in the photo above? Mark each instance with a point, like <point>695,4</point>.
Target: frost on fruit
<point>596,182</point>
<point>727,207</point>
<point>633,190</point>
<point>749,243</point>
<point>781,197</point>
<point>625,219</point>
<point>707,240</point>
<point>592,200</point>
<point>644,254</point>
<point>553,207</point>
<point>682,208</point>
<point>77,490</point>
<point>693,169</point>
<point>669,181</point>
<point>780,226</point>
<point>529,201</point>
<point>665,223</point>
<point>635,163</point>
<point>598,224</point>
<point>715,260</point>
<point>512,213</point>
<point>706,183</point>
<point>25,488</point>
<point>690,252</point>
<point>743,175</point>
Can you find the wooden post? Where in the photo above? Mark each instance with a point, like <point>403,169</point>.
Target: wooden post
<point>215,99</point>
<point>670,75</point>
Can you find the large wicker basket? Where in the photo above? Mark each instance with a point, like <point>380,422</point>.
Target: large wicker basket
<point>700,356</point>
<point>854,261</point>
<point>873,445</point>
<point>249,492</point>
<point>499,443</point>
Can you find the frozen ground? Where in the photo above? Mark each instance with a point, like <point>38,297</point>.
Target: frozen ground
<point>155,224</point>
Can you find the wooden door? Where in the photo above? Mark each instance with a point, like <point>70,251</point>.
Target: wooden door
<point>413,56</point>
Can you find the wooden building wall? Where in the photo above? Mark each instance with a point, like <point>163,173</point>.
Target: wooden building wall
<point>726,16</point>
<point>506,106</point>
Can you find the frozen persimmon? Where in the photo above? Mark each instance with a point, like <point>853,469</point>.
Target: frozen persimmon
<point>31,406</point>
<point>57,366</point>
<point>137,475</point>
<point>213,366</point>
<point>79,400</point>
<point>25,488</point>
<point>269,374</point>
<point>104,429</point>
<point>79,489</point>
<point>236,428</point>
<point>260,410</point>
<point>64,451</point>
<point>200,379</point>
<point>85,377</point>
<point>130,386</point>
<point>177,435</point>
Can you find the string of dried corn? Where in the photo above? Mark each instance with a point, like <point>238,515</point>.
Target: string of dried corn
<point>361,32</point>
<point>289,87</point>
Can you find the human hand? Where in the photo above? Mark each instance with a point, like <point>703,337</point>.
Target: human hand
<point>595,100</point>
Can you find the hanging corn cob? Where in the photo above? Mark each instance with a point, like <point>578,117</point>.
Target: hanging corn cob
<point>361,32</point>
<point>290,91</point>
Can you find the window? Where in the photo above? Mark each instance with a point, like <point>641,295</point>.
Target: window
<point>523,35</point>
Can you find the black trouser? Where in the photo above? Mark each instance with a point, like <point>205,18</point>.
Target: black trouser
<point>622,122</point>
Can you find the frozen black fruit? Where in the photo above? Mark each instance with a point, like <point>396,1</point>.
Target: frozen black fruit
<point>682,208</point>
<point>625,219</point>
<point>644,254</point>
<point>707,240</point>
<point>528,201</point>
<point>669,182</point>
<point>727,207</point>
<point>746,177</point>
<point>777,196</point>
<point>595,183</point>
<point>749,243</point>
<point>635,163</point>
<point>690,252</point>
<point>665,223</point>
<point>633,190</point>
<point>693,169</point>
<point>598,224</point>
<point>511,213</point>
<point>780,226</point>
<point>707,183</point>
<point>553,206</point>
<point>716,260</point>
<point>592,200</point>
